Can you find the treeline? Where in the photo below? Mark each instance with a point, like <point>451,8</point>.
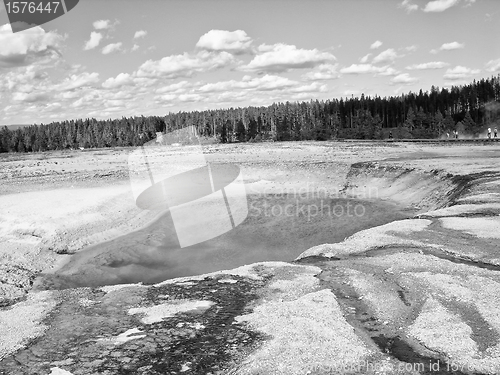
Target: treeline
<point>467,108</point>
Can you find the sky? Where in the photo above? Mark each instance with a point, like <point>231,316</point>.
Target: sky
<point>114,58</point>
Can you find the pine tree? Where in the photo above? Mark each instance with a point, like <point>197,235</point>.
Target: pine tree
<point>410,120</point>
<point>470,126</point>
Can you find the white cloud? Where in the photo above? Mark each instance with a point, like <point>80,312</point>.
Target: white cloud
<point>93,42</point>
<point>408,6</point>
<point>412,48</point>
<point>121,79</point>
<point>322,72</point>
<point>102,24</point>
<point>260,89</point>
<point>451,46</point>
<point>365,58</point>
<point>78,80</point>
<point>86,100</point>
<point>460,72</point>
<point>429,65</point>
<point>190,98</point>
<point>135,47</point>
<point>388,55</point>
<point>362,69</point>
<point>222,40</point>
<point>493,65</point>
<point>404,78</point>
<point>175,88</point>
<point>26,47</point>
<point>312,87</point>
<point>185,65</point>
<point>32,97</point>
<point>439,5</point>
<point>23,79</point>
<point>113,47</point>
<point>389,71</point>
<point>140,34</point>
<point>376,44</point>
<point>282,57</point>
<point>267,82</point>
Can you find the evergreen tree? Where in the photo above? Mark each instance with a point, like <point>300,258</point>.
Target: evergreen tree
<point>410,120</point>
<point>469,124</point>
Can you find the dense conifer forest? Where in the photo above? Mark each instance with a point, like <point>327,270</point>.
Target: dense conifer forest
<point>467,108</point>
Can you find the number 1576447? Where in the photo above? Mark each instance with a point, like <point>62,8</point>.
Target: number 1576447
<point>24,7</point>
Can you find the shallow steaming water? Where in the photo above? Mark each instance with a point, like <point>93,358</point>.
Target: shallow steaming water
<point>278,228</point>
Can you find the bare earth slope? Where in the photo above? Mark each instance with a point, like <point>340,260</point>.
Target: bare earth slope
<point>415,296</point>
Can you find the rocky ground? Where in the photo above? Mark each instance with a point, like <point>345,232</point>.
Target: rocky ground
<point>415,296</point>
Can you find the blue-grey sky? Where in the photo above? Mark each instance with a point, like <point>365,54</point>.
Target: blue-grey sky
<point>114,58</point>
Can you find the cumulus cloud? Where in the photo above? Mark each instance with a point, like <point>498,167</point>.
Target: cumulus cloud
<point>429,65</point>
<point>282,57</point>
<point>493,65</point>
<point>459,72</point>
<point>102,24</point>
<point>34,44</point>
<point>21,78</point>
<point>135,47</point>
<point>267,82</point>
<point>312,87</point>
<point>140,34</point>
<point>222,40</point>
<point>404,78</point>
<point>451,46</point>
<point>365,58</point>
<point>408,6</point>
<point>388,55</point>
<point>93,42</point>
<point>78,80</point>
<point>322,72</point>
<point>248,88</point>
<point>362,69</point>
<point>412,48</point>
<point>110,48</point>
<point>439,5</point>
<point>121,79</point>
<point>31,97</point>
<point>376,44</point>
<point>389,71</point>
<point>174,87</point>
<point>184,65</point>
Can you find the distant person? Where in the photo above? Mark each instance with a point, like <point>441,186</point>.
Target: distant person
<point>448,135</point>
<point>489,133</point>
<point>495,132</point>
<point>390,135</point>
<point>456,134</point>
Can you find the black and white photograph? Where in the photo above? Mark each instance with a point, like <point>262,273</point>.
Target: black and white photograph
<point>249,187</point>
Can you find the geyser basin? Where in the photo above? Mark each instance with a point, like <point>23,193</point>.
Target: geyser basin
<point>277,228</point>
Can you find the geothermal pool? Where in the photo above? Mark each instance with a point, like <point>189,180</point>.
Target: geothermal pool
<point>277,228</point>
